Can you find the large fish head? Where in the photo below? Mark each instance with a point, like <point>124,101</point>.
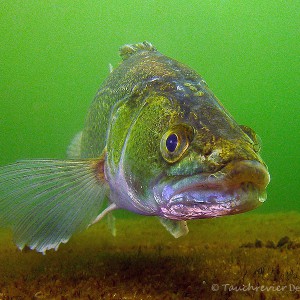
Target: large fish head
<point>180,155</point>
<point>214,164</point>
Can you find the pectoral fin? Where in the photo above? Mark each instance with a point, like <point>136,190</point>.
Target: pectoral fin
<point>110,219</point>
<point>176,228</point>
<point>46,201</point>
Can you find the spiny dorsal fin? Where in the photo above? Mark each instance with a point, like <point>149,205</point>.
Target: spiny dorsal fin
<point>73,150</point>
<point>129,49</point>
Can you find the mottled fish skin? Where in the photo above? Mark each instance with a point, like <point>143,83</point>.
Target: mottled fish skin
<point>141,69</point>
<point>156,141</point>
<point>145,96</point>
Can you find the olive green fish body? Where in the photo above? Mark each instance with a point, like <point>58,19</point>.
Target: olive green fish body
<point>145,96</point>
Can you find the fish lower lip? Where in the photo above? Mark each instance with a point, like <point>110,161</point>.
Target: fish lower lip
<point>211,204</point>
<point>238,187</point>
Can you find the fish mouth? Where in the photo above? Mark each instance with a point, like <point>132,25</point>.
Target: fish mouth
<point>238,187</point>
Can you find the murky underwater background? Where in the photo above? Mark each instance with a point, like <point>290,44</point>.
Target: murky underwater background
<point>53,57</point>
<point>55,54</point>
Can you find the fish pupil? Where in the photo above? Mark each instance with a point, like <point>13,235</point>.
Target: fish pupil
<point>171,142</point>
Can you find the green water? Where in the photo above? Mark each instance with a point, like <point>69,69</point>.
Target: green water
<point>55,54</point>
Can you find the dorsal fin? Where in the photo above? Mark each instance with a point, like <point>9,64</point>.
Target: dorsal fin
<point>129,49</point>
<point>73,150</point>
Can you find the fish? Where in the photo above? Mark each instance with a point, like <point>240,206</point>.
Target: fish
<point>156,141</point>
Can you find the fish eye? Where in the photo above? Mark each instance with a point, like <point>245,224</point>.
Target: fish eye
<point>172,142</point>
<point>175,142</point>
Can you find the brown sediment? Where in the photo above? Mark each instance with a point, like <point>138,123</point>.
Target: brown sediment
<point>250,256</point>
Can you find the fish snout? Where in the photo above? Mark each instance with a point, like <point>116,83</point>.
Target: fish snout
<point>225,151</point>
<point>245,172</point>
<point>238,187</point>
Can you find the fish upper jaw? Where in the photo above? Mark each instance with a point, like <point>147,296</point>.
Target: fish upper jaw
<point>237,187</point>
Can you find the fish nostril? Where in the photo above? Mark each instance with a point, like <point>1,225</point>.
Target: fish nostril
<point>207,152</point>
